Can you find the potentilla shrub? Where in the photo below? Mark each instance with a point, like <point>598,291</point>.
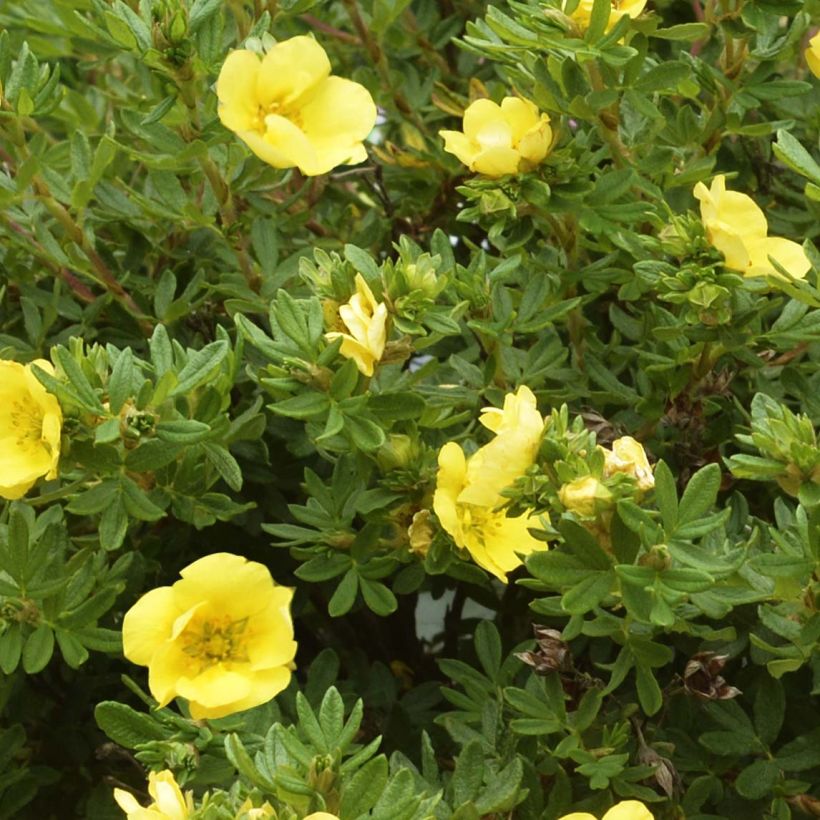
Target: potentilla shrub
<point>408,409</point>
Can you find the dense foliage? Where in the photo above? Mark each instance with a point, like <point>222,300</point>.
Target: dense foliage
<point>235,319</point>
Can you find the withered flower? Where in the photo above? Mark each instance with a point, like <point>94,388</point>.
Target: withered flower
<point>552,654</point>
<point>702,677</point>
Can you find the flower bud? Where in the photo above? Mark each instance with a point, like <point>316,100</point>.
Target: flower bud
<point>627,456</point>
<point>584,495</point>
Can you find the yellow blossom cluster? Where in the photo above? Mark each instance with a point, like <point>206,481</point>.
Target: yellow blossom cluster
<point>500,139</point>
<point>168,801</point>
<point>620,8</point>
<point>31,423</point>
<point>813,55</point>
<point>366,322</point>
<point>737,227</point>
<point>221,637</point>
<point>585,496</point>
<point>625,810</point>
<point>290,110</point>
<point>468,500</point>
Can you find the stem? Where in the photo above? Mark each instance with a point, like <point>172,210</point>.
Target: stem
<point>379,60</point>
<point>609,120</point>
<point>77,235</point>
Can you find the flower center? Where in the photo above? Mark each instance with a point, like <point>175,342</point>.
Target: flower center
<point>216,641</point>
<point>480,522</point>
<point>279,109</point>
<point>27,421</point>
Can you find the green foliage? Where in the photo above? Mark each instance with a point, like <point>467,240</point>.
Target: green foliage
<point>184,290</point>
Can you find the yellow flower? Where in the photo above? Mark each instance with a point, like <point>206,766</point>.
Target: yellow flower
<point>737,227</point>
<point>583,12</point>
<point>321,815</point>
<point>500,139</point>
<point>468,492</point>
<point>420,533</point>
<point>366,320</point>
<point>583,496</point>
<point>629,457</point>
<point>289,110</point>
<point>625,810</point>
<point>169,802</point>
<point>248,812</point>
<point>31,423</point>
<point>222,637</point>
<point>813,55</point>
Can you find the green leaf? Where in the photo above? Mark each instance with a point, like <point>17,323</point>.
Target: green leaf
<point>200,366</point>
<point>468,774</point>
<point>488,648</point>
<point>309,725</point>
<point>77,380</point>
<point>587,594</point>
<point>503,792</point>
<point>769,709</point>
<point>182,431</point>
<point>378,597</point>
<point>758,779</point>
<point>11,648</point>
<point>684,31</point>
<point>202,11</point>
<point>345,595</point>
<point>38,649</point>
<point>700,494</point>
<point>127,727</point>
<point>241,760</point>
<point>800,754</point>
<point>362,261</point>
<point>601,12</point>
<point>331,716</point>
<point>363,789</point>
<point>303,406</point>
<point>666,496</point>
<point>649,693</point>
<point>120,385</point>
<point>364,433</point>
<point>225,464</point>
<point>790,151</point>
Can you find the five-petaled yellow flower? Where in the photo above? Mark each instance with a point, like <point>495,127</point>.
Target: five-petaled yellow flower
<point>31,424</point>
<point>813,55</point>
<point>366,319</point>
<point>737,227</point>
<point>321,815</point>
<point>169,801</point>
<point>501,139</point>
<point>625,810</point>
<point>222,637</point>
<point>629,457</point>
<point>289,109</point>
<point>468,491</point>
<point>620,8</point>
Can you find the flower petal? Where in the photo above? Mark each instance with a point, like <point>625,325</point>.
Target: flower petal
<point>148,625</point>
<point>628,810</point>
<point>497,162</point>
<point>461,146</point>
<point>478,114</point>
<point>789,255</point>
<point>216,686</point>
<point>339,115</point>
<point>521,115</point>
<point>290,71</point>
<point>236,90</point>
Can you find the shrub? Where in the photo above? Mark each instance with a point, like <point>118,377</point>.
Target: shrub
<point>472,346</point>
